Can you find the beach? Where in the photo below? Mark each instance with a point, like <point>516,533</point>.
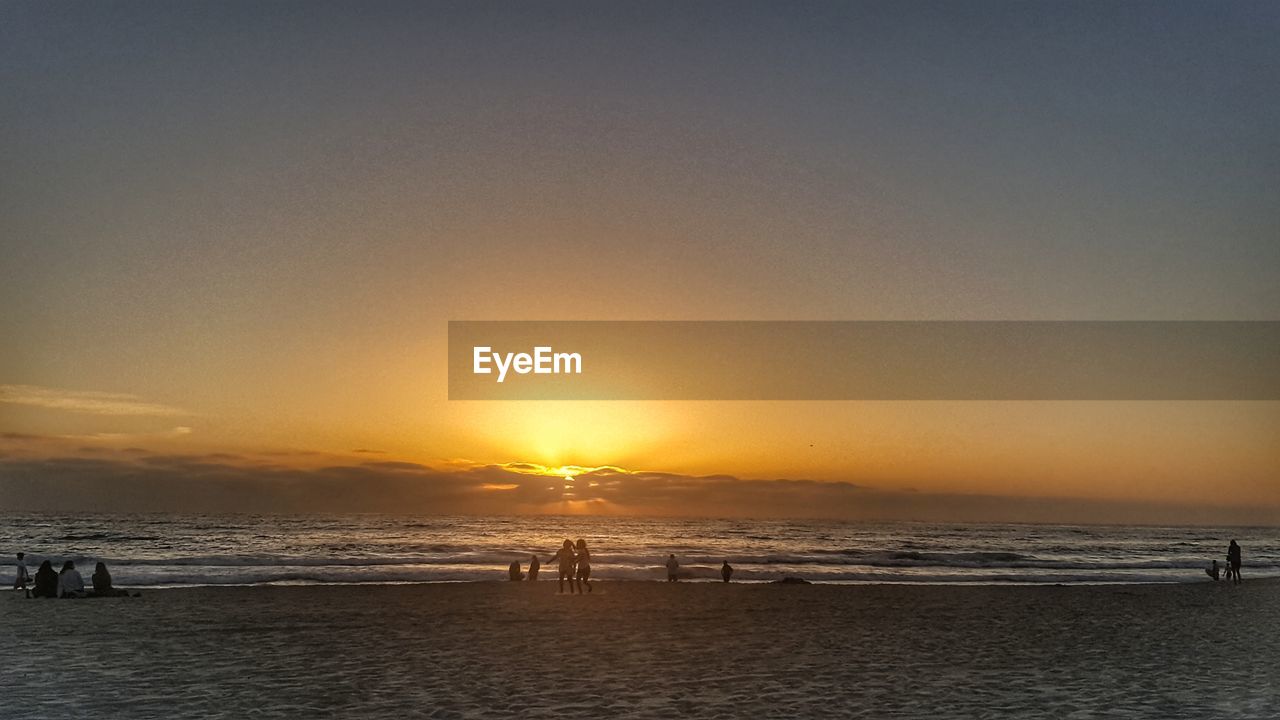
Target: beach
<point>653,649</point>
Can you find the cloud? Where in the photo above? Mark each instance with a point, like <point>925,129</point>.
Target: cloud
<point>219,482</point>
<point>90,402</point>
<point>114,437</point>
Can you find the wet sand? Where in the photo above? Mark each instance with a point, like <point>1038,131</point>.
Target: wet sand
<point>642,649</point>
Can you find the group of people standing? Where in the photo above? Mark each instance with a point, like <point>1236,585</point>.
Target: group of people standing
<point>66,583</point>
<point>1233,565</point>
<point>573,561</point>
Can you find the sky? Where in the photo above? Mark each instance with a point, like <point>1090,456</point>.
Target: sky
<point>234,233</point>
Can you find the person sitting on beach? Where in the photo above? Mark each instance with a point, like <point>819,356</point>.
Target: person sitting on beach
<point>20,576</point>
<point>726,571</point>
<point>102,583</point>
<point>1213,572</point>
<point>513,572</point>
<point>567,563</point>
<point>1233,561</point>
<point>70,584</point>
<point>583,576</point>
<point>46,581</point>
<point>533,568</point>
<point>673,567</point>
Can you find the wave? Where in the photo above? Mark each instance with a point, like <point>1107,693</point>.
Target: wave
<point>301,575</point>
<point>649,561</point>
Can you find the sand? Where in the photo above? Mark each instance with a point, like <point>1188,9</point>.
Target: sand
<point>643,649</point>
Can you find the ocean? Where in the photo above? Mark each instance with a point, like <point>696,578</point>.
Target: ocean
<point>195,550</point>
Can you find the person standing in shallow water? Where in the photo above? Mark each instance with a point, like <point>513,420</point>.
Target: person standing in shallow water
<point>20,575</point>
<point>673,567</point>
<point>567,563</point>
<point>726,571</point>
<point>1233,561</point>
<point>583,576</point>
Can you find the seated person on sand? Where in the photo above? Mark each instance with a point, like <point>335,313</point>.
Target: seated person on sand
<point>102,583</point>
<point>1213,572</point>
<point>513,572</point>
<point>70,584</point>
<point>46,584</point>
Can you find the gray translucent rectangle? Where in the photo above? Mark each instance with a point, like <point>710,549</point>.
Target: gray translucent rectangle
<point>889,360</point>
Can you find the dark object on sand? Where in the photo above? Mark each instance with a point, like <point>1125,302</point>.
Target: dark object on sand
<point>792,580</point>
<point>513,572</point>
<point>533,568</point>
<point>726,571</point>
<point>1213,572</point>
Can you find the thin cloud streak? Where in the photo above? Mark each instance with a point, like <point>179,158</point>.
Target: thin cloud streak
<point>91,402</point>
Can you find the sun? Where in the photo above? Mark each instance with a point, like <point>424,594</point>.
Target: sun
<point>555,434</point>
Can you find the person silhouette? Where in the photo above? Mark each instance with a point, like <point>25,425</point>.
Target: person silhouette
<point>533,568</point>
<point>567,563</point>
<point>1233,561</point>
<point>726,571</point>
<point>583,576</point>
<point>1213,571</point>
<point>513,572</point>
<point>46,581</point>
<point>70,583</point>
<point>673,567</point>
<point>20,575</point>
<point>102,586</point>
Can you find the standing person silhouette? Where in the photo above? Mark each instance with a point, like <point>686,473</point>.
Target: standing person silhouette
<point>21,577</point>
<point>1233,561</point>
<point>533,568</point>
<point>584,566</point>
<point>567,563</point>
<point>726,571</point>
<point>673,567</point>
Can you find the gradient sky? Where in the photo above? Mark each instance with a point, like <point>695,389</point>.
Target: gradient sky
<point>239,229</point>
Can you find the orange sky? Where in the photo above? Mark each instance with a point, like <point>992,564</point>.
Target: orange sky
<point>219,239</point>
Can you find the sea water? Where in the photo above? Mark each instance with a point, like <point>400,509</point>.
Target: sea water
<point>185,550</point>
